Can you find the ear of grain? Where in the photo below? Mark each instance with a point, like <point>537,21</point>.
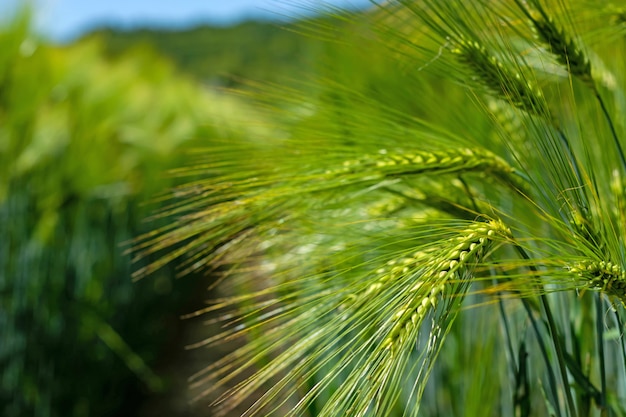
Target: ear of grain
<point>554,38</point>
<point>458,160</point>
<point>607,277</point>
<point>565,50</point>
<point>429,283</point>
<point>502,82</point>
<point>444,272</point>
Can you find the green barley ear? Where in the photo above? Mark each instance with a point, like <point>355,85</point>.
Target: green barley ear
<point>447,277</point>
<point>365,338</point>
<point>501,81</point>
<point>607,277</point>
<point>434,284</point>
<point>394,164</point>
<point>567,52</point>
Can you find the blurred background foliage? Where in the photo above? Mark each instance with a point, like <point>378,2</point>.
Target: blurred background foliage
<point>86,140</point>
<point>223,56</point>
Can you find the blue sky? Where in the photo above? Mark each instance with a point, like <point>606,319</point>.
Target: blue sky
<point>64,19</point>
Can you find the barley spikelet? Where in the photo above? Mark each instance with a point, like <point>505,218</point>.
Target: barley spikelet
<point>501,81</point>
<point>608,277</point>
<point>444,272</point>
<point>396,268</point>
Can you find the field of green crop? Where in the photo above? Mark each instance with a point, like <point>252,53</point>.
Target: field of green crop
<point>422,215</point>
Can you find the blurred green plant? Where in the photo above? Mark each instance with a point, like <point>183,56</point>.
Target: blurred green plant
<point>438,229</point>
<point>85,142</point>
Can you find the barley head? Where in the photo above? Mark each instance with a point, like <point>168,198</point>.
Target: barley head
<point>445,272</point>
<point>608,277</point>
<point>565,50</point>
<point>397,164</point>
<point>502,82</point>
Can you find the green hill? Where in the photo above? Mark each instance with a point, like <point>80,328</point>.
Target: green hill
<point>224,56</point>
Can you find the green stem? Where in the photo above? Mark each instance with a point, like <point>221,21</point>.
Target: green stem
<point>469,193</point>
<point>607,116</point>
<point>570,154</point>
<point>600,341</point>
<point>555,338</point>
<point>620,326</point>
<point>559,353</point>
<point>546,358</point>
<point>507,331</point>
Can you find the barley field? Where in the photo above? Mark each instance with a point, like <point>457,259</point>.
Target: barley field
<point>424,217</point>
